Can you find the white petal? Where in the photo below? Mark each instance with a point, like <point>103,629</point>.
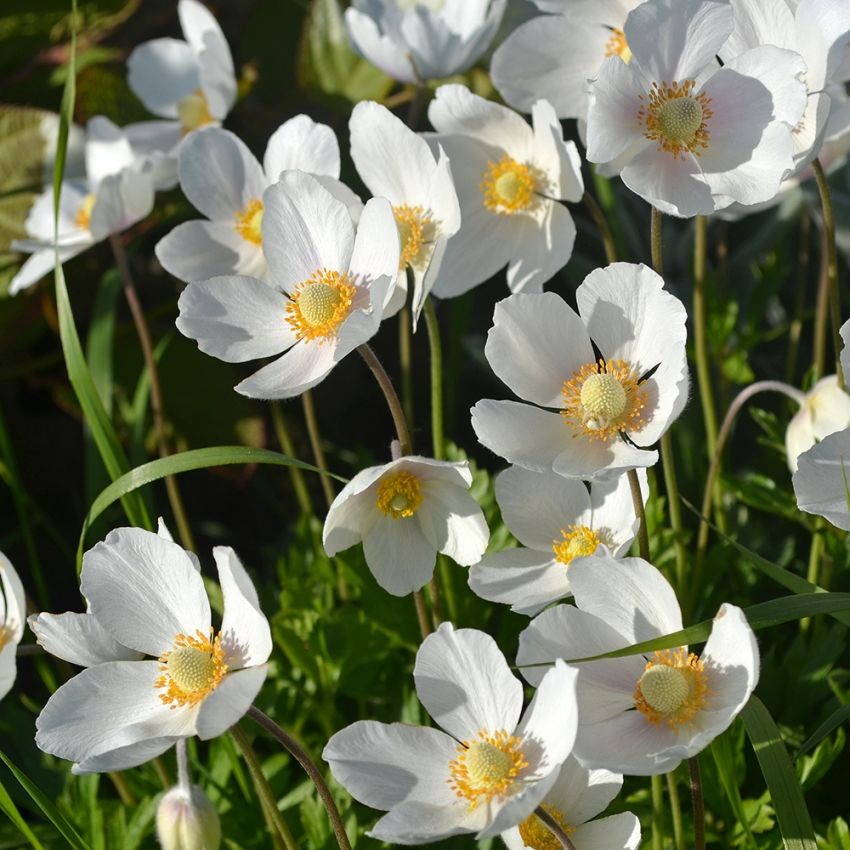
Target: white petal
<point>123,758</point>
<point>161,73</point>
<point>301,368</point>
<point>582,792</point>
<point>525,579</point>
<point>617,832</point>
<point>228,703</point>
<point>845,351</point>
<point>41,263</point>
<point>13,606</point>
<point>559,160</point>
<point>301,144</point>
<point>453,521</point>
<point>376,245</point>
<point>518,807</point>
<point>8,668</point>
<point>122,200</point>
<point>416,823</point>
<point>378,48</point>
<point>78,638</point>
<point>822,480</point>
<point>108,150</point>
<point>674,186</point>
<point>350,510</point>
<point>591,460</point>
<point>398,554</point>
<point>614,511</point>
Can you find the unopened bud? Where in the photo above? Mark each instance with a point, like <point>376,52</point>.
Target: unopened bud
<point>187,820</point>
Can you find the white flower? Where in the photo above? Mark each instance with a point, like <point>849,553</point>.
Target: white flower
<point>557,521</point>
<point>405,512</point>
<point>553,56</point>
<point>610,410</point>
<point>328,290</point>
<point>191,82</point>
<point>686,135</point>
<point>641,714</point>
<point>147,599</point>
<point>825,410</point>
<point>822,480</point>
<point>224,181</point>
<point>397,164</point>
<point>509,178</point>
<point>12,613</point>
<point>486,772</point>
<point>416,40</point>
<point>116,193</point>
<point>578,795</point>
<point>186,819</point>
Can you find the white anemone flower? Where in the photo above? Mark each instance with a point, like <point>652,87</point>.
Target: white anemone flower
<point>12,615</point>
<point>397,164</point>
<point>509,178</point>
<point>327,294</point>
<point>824,409</point>
<point>579,795</point>
<point>224,181</point>
<point>822,480</point>
<point>117,192</point>
<point>641,714</point>
<point>489,769</point>
<point>603,384</point>
<point>686,135</point>
<point>147,598</point>
<point>417,40</point>
<point>191,82</point>
<point>558,521</point>
<point>405,512</point>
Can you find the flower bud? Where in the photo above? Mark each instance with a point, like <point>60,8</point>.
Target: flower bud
<point>187,820</point>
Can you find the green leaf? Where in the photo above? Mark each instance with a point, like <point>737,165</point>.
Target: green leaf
<point>828,726</point>
<point>8,806</point>
<point>50,811</point>
<point>724,759</point>
<point>795,824</point>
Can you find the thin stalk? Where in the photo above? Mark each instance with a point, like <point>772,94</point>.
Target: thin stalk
<point>162,772</point>
<point>303,758</point>
<point>421,614</point>
<point>157,408</point>
<point>555,828</point>
<point>299,485</point>
<point>816,551</point>
<point>821,311</point>
<point>655,247</point>
<point>831,265</point>
<point>601,222</point>
<point>316,445</point>
<point>387,388</point>
<point>795,329</point>
<point>123,789</point>
<point>699,805</point>
<point>405,359</point>
<point>675,811</point>
<point>640,513</point>
<point>433,327</point>
<point>437,614</point>
<point>657,813</point>
<point>417,105</point>
<point>184,776</point>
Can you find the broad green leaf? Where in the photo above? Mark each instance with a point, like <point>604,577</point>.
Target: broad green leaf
<point>795,824</point>
<point>11,811</point>
<point>839,716</point>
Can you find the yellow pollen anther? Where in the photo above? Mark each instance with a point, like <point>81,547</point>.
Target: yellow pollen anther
<point>399,494</point>
<point>82,217</point>
<point>5,636</point>
<point>536,834</point>
<point>604,398</point>
<point>249,222</point>
<point>486,767</point>
<point>672,689</point>
<point>193,111</point>
<point>676,118</point>
<point>414,231</point>
<point>320,305</point>
<point>508,186</point>
<point>617,45</point>
<point>191,670</point>
<point>576,542</point>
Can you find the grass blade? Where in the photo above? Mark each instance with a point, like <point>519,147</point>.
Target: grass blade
<point>841,714</point>
<point>11,811</point>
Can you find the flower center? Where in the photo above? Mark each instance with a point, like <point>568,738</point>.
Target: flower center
<point>412,225</point>
<point>672,688</point>
<point>399,495</point>
<point>193,112</point>
<point>576,542</point>
<point>249,222</point>
<point>604,398</point>
<point>82,217</point>
<point>486,767</point>
<point>508,186</point>
<point>536,834</point>
<point>617,45</point>
<point>320,305</point>
<point>675,118</point>
<point>191,670</point>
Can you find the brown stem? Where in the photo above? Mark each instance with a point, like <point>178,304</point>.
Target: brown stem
<point>699,805</point>
<point>386,385</point>
<point>299,485</point>
<point>640,513</point>
<point>316,444</point>
<point>598,216</point>
<point>555,828</point>
<point>421,614</point>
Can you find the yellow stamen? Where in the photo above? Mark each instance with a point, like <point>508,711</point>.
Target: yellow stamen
<point>191,670</point>
<point>508,186</point>
<point>603,399</point>
<point>576,542</point>
<point>193,111</point>
<point>617,45</point>
<point>676,118</point>
<point>415,230</point>
<point>486,767</point>
<point>5,636</point>
<point>672,689</point>
<point>82,217</point>
<point>249,222</point>
<point>536,834</point>
<point>399,494</point>
<point>320,305</point>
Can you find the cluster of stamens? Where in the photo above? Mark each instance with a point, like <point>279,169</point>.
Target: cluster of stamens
<point>676,118</point>
<point>399,494</point>
<point>249,222</point>
<point>617,45</point>
<point>576,542</point>
<point>319,305</point>
<point>82,217</point>
<point>672,689</point>
<point>414,232</point>
<point>191,670</point>
<point>536,834</point>
<point>193,112</point>
<point>486,767</point>
<point>5,636</point>
<point>508,186</point>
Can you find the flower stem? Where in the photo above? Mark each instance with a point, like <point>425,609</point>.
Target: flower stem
<point>657,813</point>
<point>675,811</point>
<point>157,408</point>
<point>299,485</point>
<point>655,247</point>
<point>598,216</point>
<point>316,444</point>
<point>821,311</point>
<point>184,777</point>
<point>421,614</point>
<point>123,789</point>
<point>640,513</point>
<point>831,265</point>
<point>405,359</point>
<point>555,828</point>
<point>796,327</point>
<point>699,805</point>
<point>386,385</point>
<point>433,327</point>
<point>302,757</point>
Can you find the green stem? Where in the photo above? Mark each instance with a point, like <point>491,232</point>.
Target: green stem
<point>795,329</point>
<point>123,789</point>
<point>675,811</point>
<point>421,614</point>
<point>821,311</point>
<point>405,358</point>
<point>640,513</point>
<point>657,813</point>
<point>655,247</point>
<point>316,444</point>
<point>391,397</point>
<point>299,485</point>
<point>433,327</point>
<point>699,805</point>
<point>816,550</point>
<point>605,232</point>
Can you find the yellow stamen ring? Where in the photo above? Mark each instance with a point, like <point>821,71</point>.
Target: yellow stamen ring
<point>676,118</point>
<point>508,186</point>
<point>414,232</point>
<point>249,222</point>
<point>320,305</point>
<point>193,111</point>
<point>576,542</point>
<point>82,217</point>
<point>618,46</point>
<point>536,834</point>
<point>486,767</point>
<point>399,494</point>
<point>672,689</point>
<point>191,670</point>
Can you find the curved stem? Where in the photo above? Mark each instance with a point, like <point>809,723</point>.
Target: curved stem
<point>699,805</point>
<point>675,811</point>
<point>157,408</point>
<point>299,485</point>
<point>316,444</point>
<point>640,513</point>
<point>598,216</point>
<point>386,385</point>
<point>433,327</point>
<point>302,757</point>
<point>555,828</point>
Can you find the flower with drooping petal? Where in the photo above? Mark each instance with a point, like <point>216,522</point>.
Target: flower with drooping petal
<point>824,409</point>
<point>12,614</point>
<point>558,521</point>
<point>326,292</point>
<point>417,40</point>
<point>641,714</point>
<point>509,178</point>
<point>822,480</point>
<point>603,384</point>
<point>405,512</point>
<point>146,597</point>
<point>397,164</point>
<point>117,192</point>
<point>578,795</point>
<point>686,135</point>
<point>224,181</point>
<point>486,772</point>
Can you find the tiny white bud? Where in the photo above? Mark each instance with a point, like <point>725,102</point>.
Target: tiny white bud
<point>187,821</point>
